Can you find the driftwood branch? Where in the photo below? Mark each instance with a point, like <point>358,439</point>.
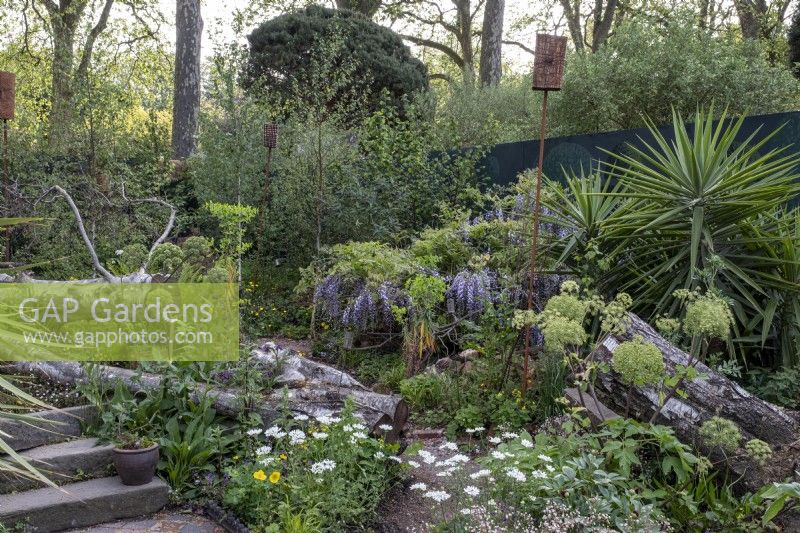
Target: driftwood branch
<point>141,275</point>
<point>98,266</point>
<point>173,213</point>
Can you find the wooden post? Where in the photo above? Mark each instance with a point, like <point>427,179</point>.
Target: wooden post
<point>7,104</point>
<point>548,71</point>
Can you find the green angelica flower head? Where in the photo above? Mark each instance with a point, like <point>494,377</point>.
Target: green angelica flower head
<point>759,450</point>
<point>638,362</point>
<point>722,433</point>
<point>708,316</point>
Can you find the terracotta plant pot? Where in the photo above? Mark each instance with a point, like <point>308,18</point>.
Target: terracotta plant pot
<point>136,467</point>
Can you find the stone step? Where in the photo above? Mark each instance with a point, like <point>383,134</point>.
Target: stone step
<point>62,463</point>
<point>53,427</point>
<point>82,504</point>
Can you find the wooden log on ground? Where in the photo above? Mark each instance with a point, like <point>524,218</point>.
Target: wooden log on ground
<point>713,395</point>
<point>313,396</point>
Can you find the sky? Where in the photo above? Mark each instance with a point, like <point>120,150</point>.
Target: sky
<point>218,14</point>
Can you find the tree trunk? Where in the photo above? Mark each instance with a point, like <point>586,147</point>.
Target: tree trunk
<point>61,99</point>
<point>492,43</point>
<point>572,12</point>
<point>186,99</point>
<point>464,36</point>
<point>711,395</point>
<point>311,389</point>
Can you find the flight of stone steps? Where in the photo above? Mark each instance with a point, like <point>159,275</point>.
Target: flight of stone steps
<point>89,493</point>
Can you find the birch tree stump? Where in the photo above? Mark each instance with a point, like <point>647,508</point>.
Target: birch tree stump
<point>711,395</point>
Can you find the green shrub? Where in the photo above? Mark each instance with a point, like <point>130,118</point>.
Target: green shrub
<point>196,249</point>
<point>424,391</point>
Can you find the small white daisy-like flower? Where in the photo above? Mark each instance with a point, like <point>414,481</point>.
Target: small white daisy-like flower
<point>264,450</point>
<point>328,419</point>
<point>499,455</point>
<point>509,435</point>
<point>385,427</point>
<point>319,435</point>
<point>549,468</point>
<point>538,474</point>
<point>296,436</point>
<point>255,432</point>
<point>458,458</point>
<point>472,490</point>
<point>419,486</point>
<point>395,459</point>
<point>444,473</point>
<point>526,443</point>
<point>544,458</point>
<point>301,418</point>
<point>438,495</point>
<point>480,474</point>
<point>470,431</point>
<point>323,466</point>
<point>119,252</point>
<point>359,435</point>
<point>275,432</point>
<point>427,456</point>
<point>516,473</point>
<point>413,464</point>
<point>449,446</point>
<point>495,440</point>
<point>466,511</point>
<point>380,455</point>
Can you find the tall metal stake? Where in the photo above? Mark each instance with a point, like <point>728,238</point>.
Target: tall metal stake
<point>7,101</point>
<point>548,70</point>
<point>270,142</point>
<point>537,201</point>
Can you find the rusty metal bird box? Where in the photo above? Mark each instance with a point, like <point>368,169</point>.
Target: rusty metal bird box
<point>7,94</point>
<point>270,135</point>
<point>548,63</point>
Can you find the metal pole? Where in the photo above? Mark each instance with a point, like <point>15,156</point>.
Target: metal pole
<point>534,241</point>
<point>6,188</point>
<point>264,204</point>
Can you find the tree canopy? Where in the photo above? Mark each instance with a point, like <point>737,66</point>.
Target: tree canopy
<point>281,53</point>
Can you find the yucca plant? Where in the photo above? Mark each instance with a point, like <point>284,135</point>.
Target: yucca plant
<point>693,200</point>
<point>582,211</point>
<point>14,402</point>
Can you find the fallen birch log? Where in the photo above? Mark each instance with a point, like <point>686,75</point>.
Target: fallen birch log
<point>712,395</point>
<point>314,395</point>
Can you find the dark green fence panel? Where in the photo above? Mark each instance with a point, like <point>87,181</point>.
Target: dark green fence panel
<point>503,162</point>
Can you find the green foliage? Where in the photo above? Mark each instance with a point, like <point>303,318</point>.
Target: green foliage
<point>720,433</point>
<point>648,70</point>
<point>638,362</point>
<point>132,257</point>
<point>281,48</point>
<point>232,220</point>
<point>424,391</point>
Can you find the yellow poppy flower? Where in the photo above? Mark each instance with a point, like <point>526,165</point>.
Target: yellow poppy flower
<point>283,457</point>
<point>274,477</point>
<point>260,475</point>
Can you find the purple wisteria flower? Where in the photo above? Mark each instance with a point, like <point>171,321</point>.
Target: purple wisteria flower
<point>470,291</point>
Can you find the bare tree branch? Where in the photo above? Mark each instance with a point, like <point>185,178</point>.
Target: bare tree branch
<point>449,52</point>
<point>173,212</point>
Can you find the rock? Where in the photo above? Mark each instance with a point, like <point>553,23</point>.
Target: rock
<point>60,463</point>
<point>55,426</point>
<point>467,355</point>
<point>445,363</point>
<point>427,433</point>
<point>81,504</point>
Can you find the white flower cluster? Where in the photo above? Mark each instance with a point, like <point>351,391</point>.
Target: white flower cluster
<point>438,495</point>
<point>263,450</point>
<point>254,432</point>
<point>274,432</point>
<point>517,474</point>
<point>325,465</point>
<point>328,420</point>
<point>296,437</point>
